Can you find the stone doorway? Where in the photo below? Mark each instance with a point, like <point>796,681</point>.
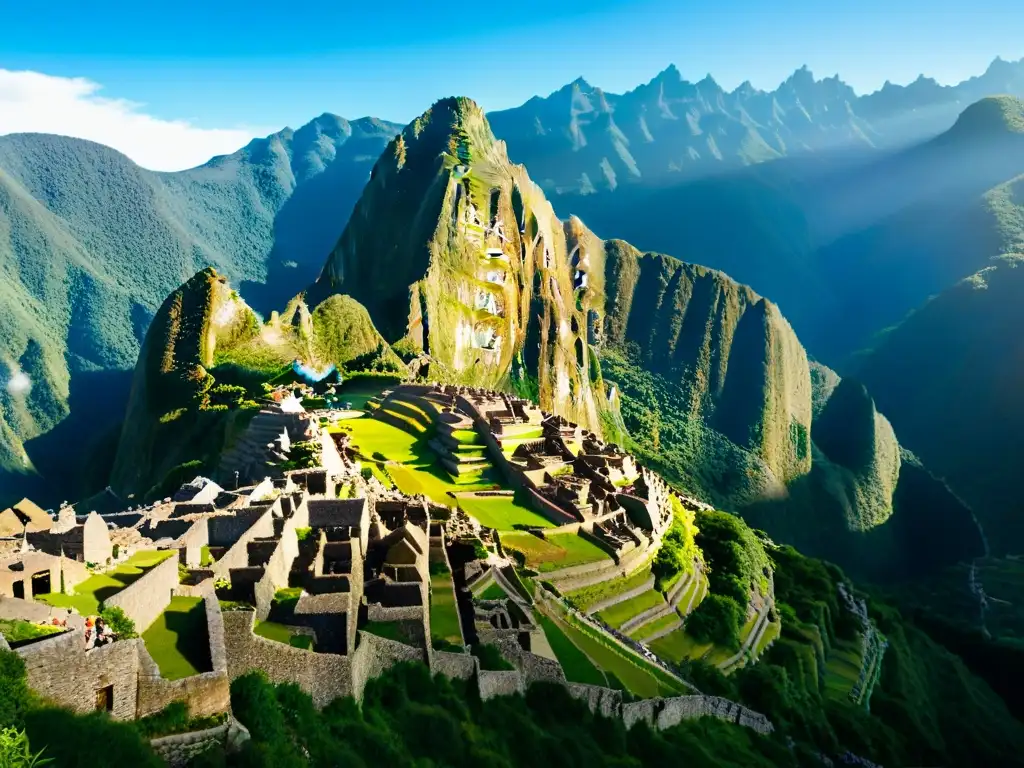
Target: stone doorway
<point>41,583</point>
<point>105,699</point>
<point>19,589</point>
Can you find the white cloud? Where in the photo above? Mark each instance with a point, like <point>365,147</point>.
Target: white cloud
<point>19,382</point>
<point>32,102</point>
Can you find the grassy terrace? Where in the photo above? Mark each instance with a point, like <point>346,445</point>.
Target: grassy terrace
<point>622,668</point>
<point>577,667</point>
<point>620,613</point>
<point>588,596</point>
<point>676,646</point>
<point>842,668</point>
<point>408,459</point>
<point>178,639</point>
<point>653,627</point>
<point>444,613</point>
<point>561,550</point>
<point>357,391</point>
<point>282,634</point>
<point>94,590</point>
<point>502,512</point>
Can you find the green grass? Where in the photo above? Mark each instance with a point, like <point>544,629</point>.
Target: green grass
<point>94,590</point>
<point>16,630</point>
<point>178,640</point>
<point>467,437</point>
<point>444,613</point>
<point>618,614</point>
<point>280,633</point>
<point>577,667</point>
<point>493,591</point>
<point>771,632</point>
<point>561,550</point>
<point>501,512</point>
<point>676,646</point>
<point>842,668</point>
<point>588,596</point>
<point>638,677</point>
<point>653,627</point>
<point>358,391</point>
<point>410,462</point>
<point>389,630</point>
<point>205,558</point>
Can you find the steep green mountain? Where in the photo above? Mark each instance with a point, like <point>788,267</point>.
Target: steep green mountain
<point>90,244</point>
<point>585,140</point>
<point>202,364</point>
<point>454,251</point>
<point>949,377</point>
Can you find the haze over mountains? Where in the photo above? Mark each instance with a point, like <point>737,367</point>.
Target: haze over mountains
<point>845,242</point>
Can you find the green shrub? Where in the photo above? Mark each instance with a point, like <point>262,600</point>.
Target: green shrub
<point>75,741</point>
<point>119,623</point>
<point>15,697</point>
<point>717,620</point>
<point>15,751</point>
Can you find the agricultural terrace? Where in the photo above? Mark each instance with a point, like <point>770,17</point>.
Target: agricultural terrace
<point>502,512</point>
<point>560,550</point>
<point>93,591</point>
<point>445,627</point>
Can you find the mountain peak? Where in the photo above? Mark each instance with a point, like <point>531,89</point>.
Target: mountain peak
<point>992,116</point>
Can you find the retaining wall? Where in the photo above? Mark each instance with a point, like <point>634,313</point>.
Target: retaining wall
<point>324,676</point>
<point>261,526</point>
<point>145,599</point>
<point>178,750</point>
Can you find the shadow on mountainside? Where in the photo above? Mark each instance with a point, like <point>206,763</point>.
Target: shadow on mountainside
<point>73,459</point>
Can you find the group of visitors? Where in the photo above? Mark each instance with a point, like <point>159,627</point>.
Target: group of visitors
<point>97,633</point>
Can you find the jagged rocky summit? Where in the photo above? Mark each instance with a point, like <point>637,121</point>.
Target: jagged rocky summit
<point>457,255</point>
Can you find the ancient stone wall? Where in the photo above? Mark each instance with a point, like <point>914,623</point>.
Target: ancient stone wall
<point>61,670</point>
<point>178,750</point>
<point>459,666</point>
<point>324,676</point>
<point>237,555</point>
<point>145,599</point>
<point>505,683</point>
<point>600,700</point>
<point>549,509</point>
<point>666,713</point>
<point>193,541</point>
<point>275,576</point>
<point>377,654</point>
<point>207,693</point>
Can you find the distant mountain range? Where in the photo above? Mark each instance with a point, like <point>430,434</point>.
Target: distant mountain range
<point>581,139</point>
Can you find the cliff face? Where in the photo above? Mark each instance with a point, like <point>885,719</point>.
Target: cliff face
<point>453,249</point>
<point>740,367</point>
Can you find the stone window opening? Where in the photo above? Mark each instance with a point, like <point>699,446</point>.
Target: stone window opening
<point>19,589</point>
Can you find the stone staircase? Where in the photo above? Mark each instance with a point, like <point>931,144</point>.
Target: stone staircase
<point>253,453</point>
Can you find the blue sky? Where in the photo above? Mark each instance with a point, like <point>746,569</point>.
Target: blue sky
<point>257,66</point>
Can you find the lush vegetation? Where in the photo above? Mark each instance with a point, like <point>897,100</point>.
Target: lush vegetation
<point>16,631</point>
<point>409,719</point>
<point>678,550</point>
<point>716,620</point>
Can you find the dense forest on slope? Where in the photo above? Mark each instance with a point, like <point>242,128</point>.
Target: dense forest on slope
<point>90,244</point>
<point>950,376</point>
